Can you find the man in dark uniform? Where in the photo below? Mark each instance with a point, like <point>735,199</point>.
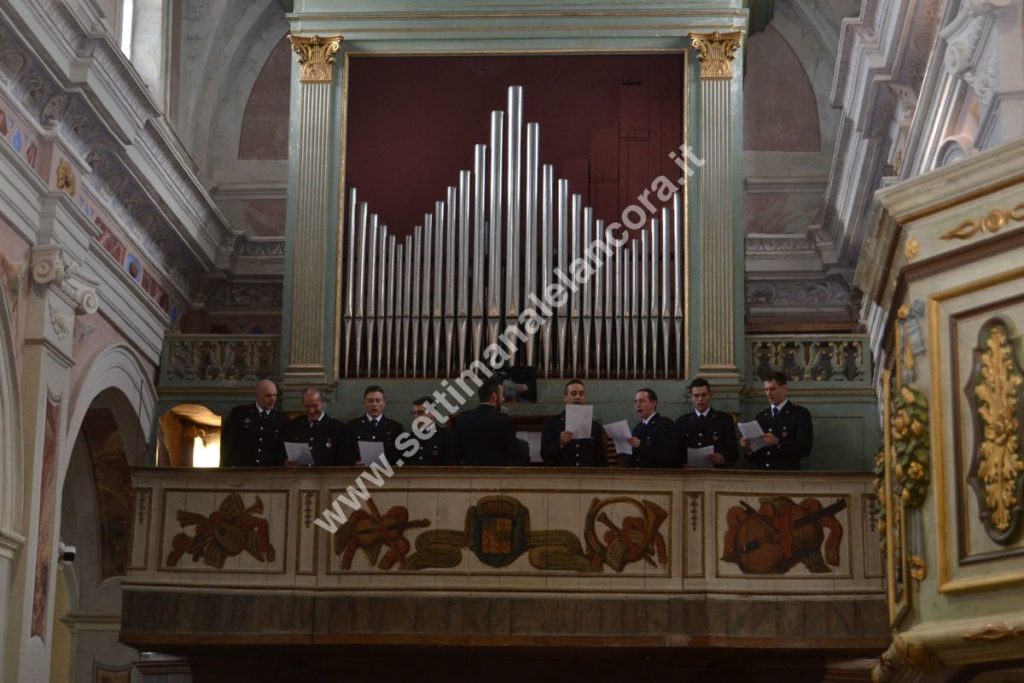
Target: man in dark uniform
<point>705,426</point>
<point>654,440</point>
<point>251,435</point>
<point>374,426</point>
<point>788,432</point>
<point>565,449</point>
<point>441,448</point>
<point>327,437</point>
<point>487,436</point>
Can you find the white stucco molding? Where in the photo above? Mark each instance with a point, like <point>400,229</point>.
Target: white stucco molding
<point>51,266</point>
<point>11,450</point>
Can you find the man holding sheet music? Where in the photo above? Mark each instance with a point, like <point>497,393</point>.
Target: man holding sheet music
<point>573,439</point>
<point>707,437</point>
<point>655,442</point>
<point>316,438</point>
<point>374,434</point>
<point>787,430</point>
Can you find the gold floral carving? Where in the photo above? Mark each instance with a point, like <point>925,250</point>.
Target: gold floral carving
<point>715,51</point>
<point>918,568</point>
<point>993,222</point>
<point>66,178</point>
<point>316,56</point>
<point>999,463</point>
<point>911,248</point>
<point>909,430</point>
<point>879,486</point>
<point>1000,631</point>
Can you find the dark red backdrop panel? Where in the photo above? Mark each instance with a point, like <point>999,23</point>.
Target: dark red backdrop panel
<point>607,123</point>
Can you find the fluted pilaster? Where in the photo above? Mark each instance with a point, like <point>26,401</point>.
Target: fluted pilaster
<point>310,263</point>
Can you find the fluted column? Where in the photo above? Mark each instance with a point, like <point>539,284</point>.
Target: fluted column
<point>716,279</point>
<point>312,239</point>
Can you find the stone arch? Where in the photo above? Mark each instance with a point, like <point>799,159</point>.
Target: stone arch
<point>244,43</point>
<point>955,148</point>
<point>118,374</point>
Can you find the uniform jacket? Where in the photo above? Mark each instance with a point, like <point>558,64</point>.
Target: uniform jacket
<point>792,426</point>
<point>488,437</point>
<point>248,439</point>
<point>659,443</point>
<point>328,440</point>
<point>714,429</point>
<point>580,452</point>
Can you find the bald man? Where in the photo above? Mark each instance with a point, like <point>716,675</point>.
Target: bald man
<point>251,433</point>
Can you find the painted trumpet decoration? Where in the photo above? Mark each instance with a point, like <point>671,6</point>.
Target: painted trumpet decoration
<point>504,234</point>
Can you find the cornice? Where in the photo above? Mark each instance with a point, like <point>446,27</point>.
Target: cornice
<point>97,105</point>
<point>974,176</point>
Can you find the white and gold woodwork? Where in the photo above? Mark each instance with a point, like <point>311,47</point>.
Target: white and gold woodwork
<point>952,474</point>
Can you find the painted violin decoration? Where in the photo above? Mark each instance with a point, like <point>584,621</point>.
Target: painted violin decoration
<point>781,534</point>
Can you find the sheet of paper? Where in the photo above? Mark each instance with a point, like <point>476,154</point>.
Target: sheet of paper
<point>371,451</point>
<point>619,433</point>
<point>578,419</point>
<point>752,430</point>
<point>299,453</point>
<point>698,457</point>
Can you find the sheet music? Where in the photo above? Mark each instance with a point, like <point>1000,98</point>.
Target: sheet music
<point>698,457</point>
<point>578,419</point>
<point>299,453</point>
<point>752,431</point>
<point>371,451</point>
<point>620,433</point>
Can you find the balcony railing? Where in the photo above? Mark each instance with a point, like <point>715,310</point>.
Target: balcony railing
<point>192,360</point>
<point>803,358</point>
<point>615,540</point>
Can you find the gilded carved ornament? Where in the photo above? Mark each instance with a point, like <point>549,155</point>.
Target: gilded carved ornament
<point>66,178</point>
<point>992,222</point>
<point>908,426</point>
<point>316,56</point>
<point>911,248</point>
<point>902,655</point>
<point>998,465</point>
<point>715,51</point>
<point>918,568</point>
<point>997,631</point>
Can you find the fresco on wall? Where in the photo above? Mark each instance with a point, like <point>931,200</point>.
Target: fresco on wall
<point>113,490</point>
<point>618,532</point>
<point>224,533</point>
<point>47,492</point>
<point>781,534</point>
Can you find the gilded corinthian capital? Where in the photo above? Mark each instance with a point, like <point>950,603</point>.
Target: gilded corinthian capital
<point>715,52</point>
<point>316,55</point>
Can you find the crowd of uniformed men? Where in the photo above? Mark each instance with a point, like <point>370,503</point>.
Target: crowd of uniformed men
<point>254,434</point>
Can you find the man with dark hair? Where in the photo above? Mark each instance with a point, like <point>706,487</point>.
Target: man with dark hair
<point>373,426</point>
<point>565,449</point>
<point>788,432</point>
<point>327,437</point>
<point>486,435</point>
<point>705,426</point>
<point>654,440</point>
<point>251,435</point>
<point>441,448</point>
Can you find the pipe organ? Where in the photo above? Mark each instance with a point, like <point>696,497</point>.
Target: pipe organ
<point>428,305</point>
